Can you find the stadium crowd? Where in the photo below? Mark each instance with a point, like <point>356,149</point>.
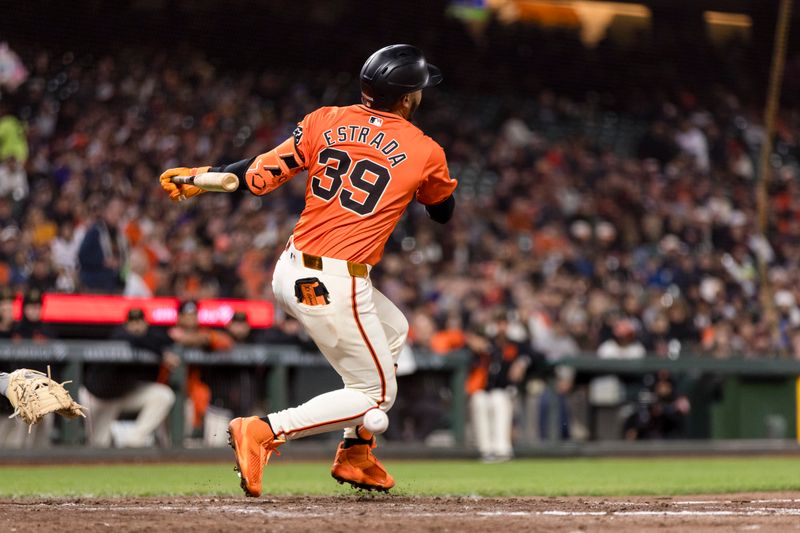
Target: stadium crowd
<point>581,243</point>
<point>606,204</point>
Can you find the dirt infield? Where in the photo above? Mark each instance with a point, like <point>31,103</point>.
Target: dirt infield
<point>740,512</point>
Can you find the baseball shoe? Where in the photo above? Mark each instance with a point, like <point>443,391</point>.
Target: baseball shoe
<point>253,443</point>
<point>356,465</point>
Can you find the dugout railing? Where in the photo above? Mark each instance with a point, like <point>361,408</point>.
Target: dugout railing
<point>68,358</point>
<point>731,398</point>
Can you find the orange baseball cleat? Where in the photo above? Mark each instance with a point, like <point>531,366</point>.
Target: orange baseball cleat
<point>357,466</point>
<point>253,443</point>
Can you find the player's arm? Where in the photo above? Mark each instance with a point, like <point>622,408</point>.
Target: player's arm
<point>266,172</point>
<point>436,190</point>
<point>442,212</point>
<point>262,174</point>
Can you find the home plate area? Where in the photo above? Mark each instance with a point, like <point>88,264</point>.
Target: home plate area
<point>740,512</point>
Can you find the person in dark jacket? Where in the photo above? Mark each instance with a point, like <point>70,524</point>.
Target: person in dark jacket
<point>661,412</point>
<point>103,254</point>
<point>239,329</point>
<point>31,326</point>
<point>111,390</point>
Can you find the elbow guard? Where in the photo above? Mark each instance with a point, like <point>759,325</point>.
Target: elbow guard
<point>443,211</point>
<point>272,169</point>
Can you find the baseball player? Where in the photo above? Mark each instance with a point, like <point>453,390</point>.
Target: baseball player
<point>365,164</point>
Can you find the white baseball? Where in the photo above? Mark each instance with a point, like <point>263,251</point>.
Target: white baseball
<point>376,421</point>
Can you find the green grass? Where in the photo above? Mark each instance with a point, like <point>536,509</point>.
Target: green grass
<point>553,477</point>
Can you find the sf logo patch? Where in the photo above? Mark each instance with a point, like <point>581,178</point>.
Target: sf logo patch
<point>298,135</point>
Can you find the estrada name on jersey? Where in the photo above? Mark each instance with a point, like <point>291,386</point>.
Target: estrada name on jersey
<point>364,135</point>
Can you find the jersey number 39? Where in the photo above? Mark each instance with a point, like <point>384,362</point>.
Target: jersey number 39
<point>338,163</point>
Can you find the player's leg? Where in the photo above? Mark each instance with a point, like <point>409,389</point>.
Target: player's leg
<point>349,333</point>
<point>152,402</point>
<point>395,327</point>
<point>393,321</point>
<point>103,414</point>
<point>502,421</point>
<point>480,409</point>
<point>354,462</point>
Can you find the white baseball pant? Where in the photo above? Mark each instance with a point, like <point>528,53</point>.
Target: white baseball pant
<point>361,334</point>
<point>152,401</point>
<point>492,420</point>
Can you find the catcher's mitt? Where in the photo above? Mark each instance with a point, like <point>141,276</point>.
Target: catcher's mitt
<point>34,394</point>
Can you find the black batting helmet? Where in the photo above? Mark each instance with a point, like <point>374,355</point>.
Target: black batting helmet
<point>393,71</point>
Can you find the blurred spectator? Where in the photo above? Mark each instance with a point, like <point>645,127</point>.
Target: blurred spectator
<point>607,394</point>
<point>449,339</point>
<point>287,330</point>
<point>64,253</point>
<point>795,336</point>
<point>500,366</point>
<point>623,344</point>
<point>41,276</point>
<point>660,412</point>
<point>657,144</point>
<point>111,390</point>
<point>135,284</point>
<point>12,71</point>
<point>13,153</point>
<point>692,141</point>
<point>241,381</point>
<point>103,252</point>
<point>13,179</point>
<point>31,325</point>
<point>788,319</point>
<point>558,345</point>
<point>7,298</point>
<point>188,333</point>
<point>239,329</point>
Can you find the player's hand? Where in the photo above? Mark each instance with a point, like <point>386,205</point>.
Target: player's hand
<point>517,370</point>
<point>171,360</point>
<point>178,193</point>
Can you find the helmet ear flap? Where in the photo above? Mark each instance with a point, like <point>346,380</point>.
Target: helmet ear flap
<point>370,99</point>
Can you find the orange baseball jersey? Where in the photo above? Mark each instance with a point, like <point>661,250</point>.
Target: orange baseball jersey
<point>364,168</point>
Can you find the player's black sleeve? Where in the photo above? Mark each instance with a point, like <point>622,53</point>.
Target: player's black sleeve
<point>443,211</point>
<point>240,169</point>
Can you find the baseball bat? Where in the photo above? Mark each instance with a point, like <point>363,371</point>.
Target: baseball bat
<point>210,181</point>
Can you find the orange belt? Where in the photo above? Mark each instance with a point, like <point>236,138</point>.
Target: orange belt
<point>314,262</point>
